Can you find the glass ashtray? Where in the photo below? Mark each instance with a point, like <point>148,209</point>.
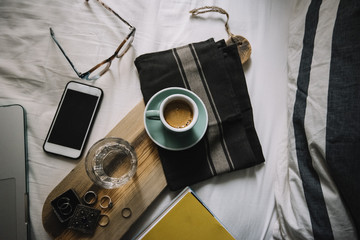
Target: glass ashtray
<point>111,162</point>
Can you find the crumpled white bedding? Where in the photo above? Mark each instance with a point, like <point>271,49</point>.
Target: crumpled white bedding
<point>33,73</point>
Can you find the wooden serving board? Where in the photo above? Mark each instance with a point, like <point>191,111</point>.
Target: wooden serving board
<point>137,194</point>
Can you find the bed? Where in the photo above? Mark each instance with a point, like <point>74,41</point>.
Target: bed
<point>299,192</point>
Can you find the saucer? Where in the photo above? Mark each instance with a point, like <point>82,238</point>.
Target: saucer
<point>164,137</point>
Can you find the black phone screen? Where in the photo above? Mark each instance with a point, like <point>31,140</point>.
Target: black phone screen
<point>73,119</point>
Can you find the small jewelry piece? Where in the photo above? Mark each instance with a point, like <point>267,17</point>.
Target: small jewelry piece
<point>67,211</point>
<point>62,202</point>
<point>90,197</point>
<point>126,212</point>
<point>104,220</point>
<point>64,206</point>
<point>105,202</point>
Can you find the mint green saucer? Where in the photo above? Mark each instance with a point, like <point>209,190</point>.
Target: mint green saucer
<point>164,137</point>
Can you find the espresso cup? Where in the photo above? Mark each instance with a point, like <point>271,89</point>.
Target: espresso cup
<point>177,112</point>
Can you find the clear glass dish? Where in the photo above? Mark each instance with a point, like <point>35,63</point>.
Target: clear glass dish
<point>111,162</point>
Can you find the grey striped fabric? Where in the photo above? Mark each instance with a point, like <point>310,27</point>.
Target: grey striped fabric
<point>317,189</point>
<point>214,72</point>
<point>193,78</point>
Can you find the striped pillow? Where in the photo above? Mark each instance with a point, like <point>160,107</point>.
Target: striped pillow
<point>318,180</point>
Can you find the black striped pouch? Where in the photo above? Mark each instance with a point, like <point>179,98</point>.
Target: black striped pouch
<point>214,72</point>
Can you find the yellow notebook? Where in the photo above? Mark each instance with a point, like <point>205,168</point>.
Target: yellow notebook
<point>186,218</point>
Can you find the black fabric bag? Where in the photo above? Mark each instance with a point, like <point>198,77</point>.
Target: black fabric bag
<point>214,72</point>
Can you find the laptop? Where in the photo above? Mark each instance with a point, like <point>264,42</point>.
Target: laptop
<point>13,174</point>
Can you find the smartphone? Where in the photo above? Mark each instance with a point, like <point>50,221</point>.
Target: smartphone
<point>73,120</point>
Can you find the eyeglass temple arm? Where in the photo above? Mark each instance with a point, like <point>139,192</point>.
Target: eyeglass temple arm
<point>131,34</point>
<point>63,52</point>
<point>108,8</point>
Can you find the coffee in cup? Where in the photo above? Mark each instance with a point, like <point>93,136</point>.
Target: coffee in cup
<point>177,113</point>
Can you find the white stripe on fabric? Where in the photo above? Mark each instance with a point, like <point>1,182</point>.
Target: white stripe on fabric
<point>218,156</point>
<point>316,115</point>
<point>179,67</point>
<point>294,218</point>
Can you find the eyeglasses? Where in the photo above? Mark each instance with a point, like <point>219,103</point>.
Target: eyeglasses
<point>97,71</point>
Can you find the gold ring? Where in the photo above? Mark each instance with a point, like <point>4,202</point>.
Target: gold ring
<point>107,201</point>
<point>126,212</point>
<point>102,222</point>
<point>90,197</point>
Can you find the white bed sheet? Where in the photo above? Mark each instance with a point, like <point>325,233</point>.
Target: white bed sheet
<point>33,73</point>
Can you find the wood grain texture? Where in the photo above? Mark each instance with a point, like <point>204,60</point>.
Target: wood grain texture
<point>137,194</point>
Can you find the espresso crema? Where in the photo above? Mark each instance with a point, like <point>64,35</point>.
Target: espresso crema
<point>178,114</point>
